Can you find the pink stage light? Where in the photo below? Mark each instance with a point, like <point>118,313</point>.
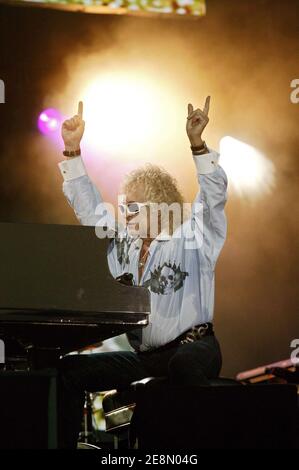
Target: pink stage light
<point>49,121</point>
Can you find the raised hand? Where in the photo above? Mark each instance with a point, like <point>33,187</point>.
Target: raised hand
<point>72,130</point>
<point>197,120</point>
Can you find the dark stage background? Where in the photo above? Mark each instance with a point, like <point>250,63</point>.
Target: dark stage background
<point>245,55</point>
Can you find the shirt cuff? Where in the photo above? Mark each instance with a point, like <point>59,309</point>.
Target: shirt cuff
<point>73,168</point>
<point>206,163</point>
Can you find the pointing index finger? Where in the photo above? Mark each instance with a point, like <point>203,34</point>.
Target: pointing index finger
<point>80,109</point>
<point>207,105</point>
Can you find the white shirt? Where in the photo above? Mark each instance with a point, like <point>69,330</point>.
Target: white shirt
<point>181,280</point>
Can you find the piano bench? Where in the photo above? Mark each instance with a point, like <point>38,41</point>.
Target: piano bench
<point>223,381</point>
<point>118,405</point>
<point>216,417</point>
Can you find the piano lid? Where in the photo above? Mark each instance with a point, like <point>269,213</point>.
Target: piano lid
<point>57,291</point>
<point>61,268</point>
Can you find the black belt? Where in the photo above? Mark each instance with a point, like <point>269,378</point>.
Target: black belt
<point>193,334</point>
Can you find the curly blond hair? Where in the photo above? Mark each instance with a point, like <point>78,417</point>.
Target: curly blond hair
<point>158,186</point>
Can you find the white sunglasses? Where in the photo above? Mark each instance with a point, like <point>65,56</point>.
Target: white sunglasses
<point>131,207</point>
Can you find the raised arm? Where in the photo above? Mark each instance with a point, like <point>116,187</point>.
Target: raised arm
<point>208,216</point>
<point>80,192</point>
<point>85,199</point>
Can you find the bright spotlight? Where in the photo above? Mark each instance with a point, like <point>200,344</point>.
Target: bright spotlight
<point>49,121</point>
<point>121,114</point>
<point>249,172</point>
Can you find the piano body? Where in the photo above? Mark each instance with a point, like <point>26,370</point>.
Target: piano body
<point>57,294</point>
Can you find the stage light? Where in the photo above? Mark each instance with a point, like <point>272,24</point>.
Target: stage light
<point>250,173</point>
<point>122,114</point>
<point>49,121</point>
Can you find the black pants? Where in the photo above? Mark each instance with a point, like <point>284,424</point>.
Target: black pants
<point>184,364</point>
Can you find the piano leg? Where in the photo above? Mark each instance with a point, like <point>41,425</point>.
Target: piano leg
<point>70,414</point>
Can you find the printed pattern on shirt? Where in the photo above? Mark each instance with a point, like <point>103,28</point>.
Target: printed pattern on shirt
<point>122,249</point>
<point>166,278</point>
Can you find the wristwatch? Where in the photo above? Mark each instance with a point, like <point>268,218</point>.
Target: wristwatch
<point>199,149</point>
<point>72,153</point>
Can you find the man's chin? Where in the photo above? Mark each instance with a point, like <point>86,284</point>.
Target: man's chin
<point>133,230</point>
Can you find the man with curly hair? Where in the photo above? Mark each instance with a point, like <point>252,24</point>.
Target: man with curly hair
<point>176,262</point>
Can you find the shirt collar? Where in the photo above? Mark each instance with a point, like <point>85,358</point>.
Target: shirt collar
<point>163,236</point>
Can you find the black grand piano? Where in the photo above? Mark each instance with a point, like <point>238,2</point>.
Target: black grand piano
<point>57,294</point>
